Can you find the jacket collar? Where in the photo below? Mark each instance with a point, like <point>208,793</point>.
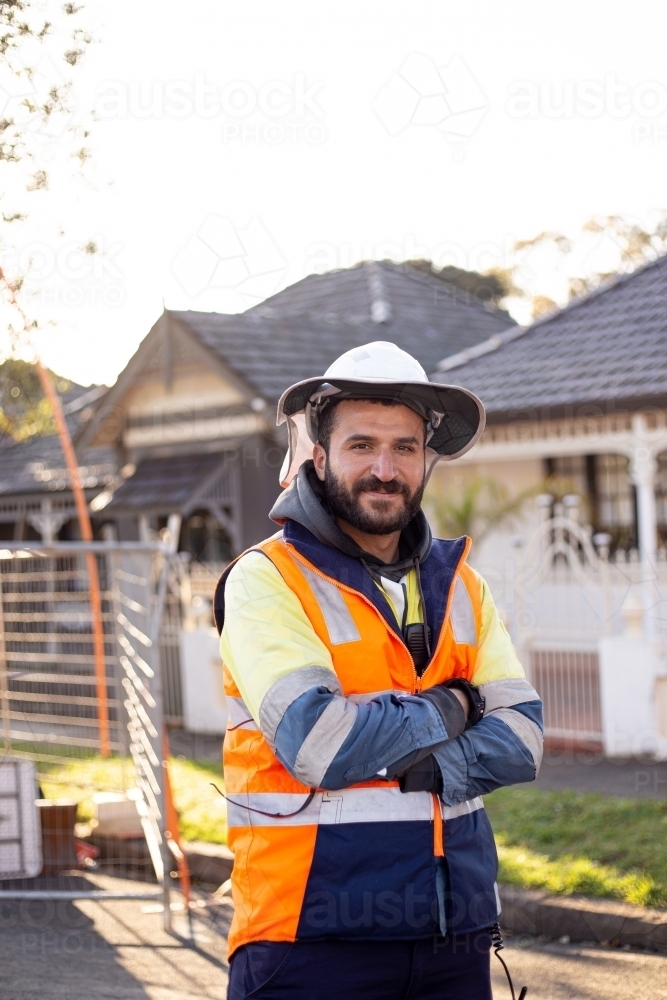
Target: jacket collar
<point>304,502</point>
<point>437,573</point>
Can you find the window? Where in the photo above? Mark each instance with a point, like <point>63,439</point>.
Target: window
<point>661,497</point>
<point>573,470</point>
<point>205,539</point>
<point>615,493</point>
<point>575,474</point>
<point>603,482</point>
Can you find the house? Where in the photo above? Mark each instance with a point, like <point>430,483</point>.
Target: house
<point>191,419</point>
<point>36,503</point>
<point>581,579</point>
<point>580,395</point>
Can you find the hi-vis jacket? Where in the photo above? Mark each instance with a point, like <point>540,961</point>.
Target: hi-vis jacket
<point>324,701</point>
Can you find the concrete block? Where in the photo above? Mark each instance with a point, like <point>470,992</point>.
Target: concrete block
<point>210,863</point>
<point>204,704</point>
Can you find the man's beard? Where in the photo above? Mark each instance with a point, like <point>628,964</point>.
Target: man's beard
<point>381,519</point>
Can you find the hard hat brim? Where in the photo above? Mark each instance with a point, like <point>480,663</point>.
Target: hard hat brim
<point>461,426</point>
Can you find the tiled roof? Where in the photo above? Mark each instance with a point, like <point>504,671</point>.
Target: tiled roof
<point>608,347</point>
<point>38,465</point>
<point>297,333</point>
<point>163,483</point>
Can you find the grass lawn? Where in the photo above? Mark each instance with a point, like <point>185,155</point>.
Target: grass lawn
<point>202,810</point>
<point>562,842</point>
<point>595,845</point>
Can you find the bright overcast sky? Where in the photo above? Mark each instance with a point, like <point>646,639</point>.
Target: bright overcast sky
<point>241,145</point>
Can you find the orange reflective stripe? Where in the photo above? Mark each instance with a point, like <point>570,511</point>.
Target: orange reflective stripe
<point>447,660</point>
<point>438,828</point>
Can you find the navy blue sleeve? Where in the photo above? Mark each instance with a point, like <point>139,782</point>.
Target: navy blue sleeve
<point>328,741</point>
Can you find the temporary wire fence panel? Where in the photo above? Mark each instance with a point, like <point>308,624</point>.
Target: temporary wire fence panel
<point>49,657</point>
<point>170,656</point>
<point>51,703</point>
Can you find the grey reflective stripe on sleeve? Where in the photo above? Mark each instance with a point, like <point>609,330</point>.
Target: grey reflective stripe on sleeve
<point>240,716</point>
<point>324,741</point>
<point>339,621</point>
<point>462,615</point>
<point>287,689</point>
<point>524,728</point>
<point>507,692</point>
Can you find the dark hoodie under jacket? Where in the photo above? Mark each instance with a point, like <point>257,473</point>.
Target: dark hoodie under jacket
<point>304,501</point>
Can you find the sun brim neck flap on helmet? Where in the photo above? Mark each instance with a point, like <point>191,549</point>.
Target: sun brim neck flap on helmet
<point>455,415</point>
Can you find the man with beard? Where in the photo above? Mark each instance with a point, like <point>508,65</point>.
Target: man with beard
<point>374,696</point>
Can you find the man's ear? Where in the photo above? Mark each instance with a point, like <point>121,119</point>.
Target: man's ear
<point>319,460</point>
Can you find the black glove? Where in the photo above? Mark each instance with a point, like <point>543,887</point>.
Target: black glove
<point>424,776</point>
<point>449,708</point>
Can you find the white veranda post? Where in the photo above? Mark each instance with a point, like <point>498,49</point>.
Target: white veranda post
<point>643,466</point>
<point>643,471</point>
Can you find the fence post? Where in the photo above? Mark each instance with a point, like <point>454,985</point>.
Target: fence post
<point>4,679</point>
<point>158,717</point>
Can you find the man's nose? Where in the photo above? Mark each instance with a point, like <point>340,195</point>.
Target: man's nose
<point>383,466</point>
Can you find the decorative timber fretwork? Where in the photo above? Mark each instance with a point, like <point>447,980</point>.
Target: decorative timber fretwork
<point>615,432</point>
<point>220,493</point>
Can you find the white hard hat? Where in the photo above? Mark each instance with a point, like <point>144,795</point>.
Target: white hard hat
<point>454,416</point>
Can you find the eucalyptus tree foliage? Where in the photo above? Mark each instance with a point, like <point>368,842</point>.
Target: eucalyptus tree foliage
<point>41,43</point>
<point>547,270</point>
<point>44,144</point>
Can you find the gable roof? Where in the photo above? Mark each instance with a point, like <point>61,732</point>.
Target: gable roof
<point>164,484</point>
<point>608,347</point>
<point>297,333</point>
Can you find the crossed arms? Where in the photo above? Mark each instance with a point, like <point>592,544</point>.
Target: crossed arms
<point>327,740</point>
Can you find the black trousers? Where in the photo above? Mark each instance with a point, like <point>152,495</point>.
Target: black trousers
<point>456,968</point>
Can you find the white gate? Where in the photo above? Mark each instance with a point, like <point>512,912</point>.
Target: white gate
<point>567,594</point>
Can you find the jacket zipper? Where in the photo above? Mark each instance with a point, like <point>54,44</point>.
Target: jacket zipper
<point>438,820</point>
<point>450,598</point>
<point>351,590</point>
<point>418,680</point>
